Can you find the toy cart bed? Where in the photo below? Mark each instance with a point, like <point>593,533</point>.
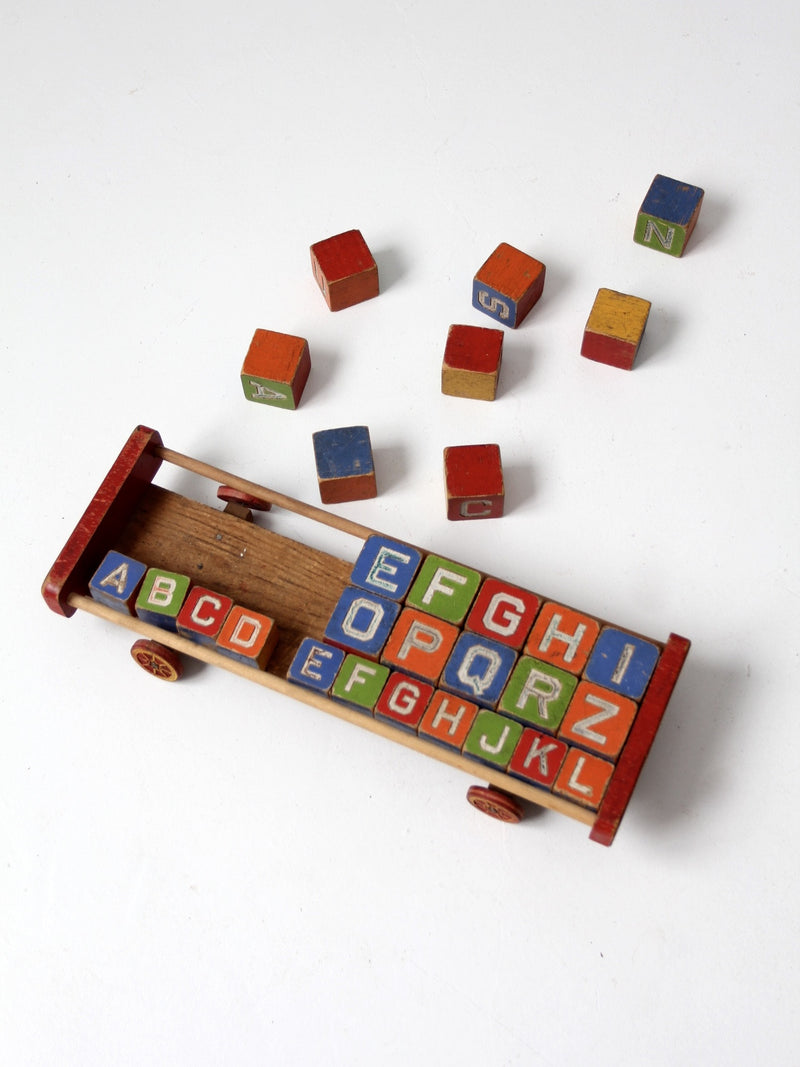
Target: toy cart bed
<point>299,587</point>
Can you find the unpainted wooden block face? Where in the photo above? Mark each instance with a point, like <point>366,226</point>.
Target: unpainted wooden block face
<point>615,328</point>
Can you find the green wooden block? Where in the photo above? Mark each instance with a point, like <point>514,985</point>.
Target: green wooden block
<point>444,589</point>
<point>492,738</point>
<point>668,215</point>
<point>161,596</point>
<point>538,693</point>
<point>359,682</point>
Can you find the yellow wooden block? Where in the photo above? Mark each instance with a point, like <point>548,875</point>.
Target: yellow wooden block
<point>615,328</point>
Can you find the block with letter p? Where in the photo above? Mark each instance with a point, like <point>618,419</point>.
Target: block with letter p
<point>508,285</point>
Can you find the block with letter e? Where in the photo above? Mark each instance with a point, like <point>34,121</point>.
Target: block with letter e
<point>385,567</point>
<point>161,597</point>
<point>508,285</point>
<point>315,665</point>
<point>116,582</point>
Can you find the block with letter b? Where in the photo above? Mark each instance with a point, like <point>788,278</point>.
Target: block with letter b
<point>161,597</point>
<point>116,582</point>
<point>276,369</point>
<point>508,285</point>
<point>668,215</point>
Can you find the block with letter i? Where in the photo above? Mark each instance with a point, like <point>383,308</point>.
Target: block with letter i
<point>248,636</point>
<point>668,215</point>
<point>471,363</point>
<point>615,328</point>
<point>161,597</point>
<point>276,369</point>
<point>473,480</point>
<point>345,465</point>
<point>116,582</point>
<point>508,285</point>
<point>345,270</point>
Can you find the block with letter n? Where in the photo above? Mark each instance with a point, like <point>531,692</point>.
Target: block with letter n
<point>668,215</point>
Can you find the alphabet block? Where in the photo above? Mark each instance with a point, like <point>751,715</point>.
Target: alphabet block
<point>116,582</point>
<point>563,637</point>
<point>361,622</point>
<point>473,478</point>
<point>538,694</point>
<point>161,596</point>
<point>448,720</point>
<point>248,636</point>
<point>420,644</point>
<point>444,589</point>
<point>386,567</point>
<point>622,662</point>
<point>503,612</point>
<point>583,778</point>
<point>508,285</point>
<point>359,682</point>
<point>615,328</point>
<point>598,719</point>
<point>537,758</point>
<point>403,701</point>
<point>276,369</point>
<point>471,364</point>
<point>202,615</point>
<point>315,665</point>
<point>492,738</point>
<point>345,467</point>
<point>345,270</point>
<point>668,215</point>
<point>478,669</point>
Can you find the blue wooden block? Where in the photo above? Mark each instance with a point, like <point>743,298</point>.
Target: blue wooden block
<point>668,215</point>
<point>622,663</point>
<point>386,567</point>
<point>345,467</point>
<point>116,582</point>
<point>478,668</point>
<point>361,622</point>
<point>315,665</point>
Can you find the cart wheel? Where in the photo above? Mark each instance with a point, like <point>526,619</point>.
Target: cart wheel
<point>236,496</point>
<point>158,660</point>
<point>494,802</point>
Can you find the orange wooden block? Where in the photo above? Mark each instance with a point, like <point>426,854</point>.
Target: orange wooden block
<point>598,719</point>
<point>345,270</point>
<point>276,369</point>
<point>583,778</point>
<point>420,644</point>
<point>563,637</point>
<point>508,285</point>
<point>448,719</point>
<point>473,479</point>
<point>471,364</point>
<point>247,636</point>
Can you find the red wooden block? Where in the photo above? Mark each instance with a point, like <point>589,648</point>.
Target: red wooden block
<point>508,285</point>
<point>248,636</point>
<point>473,478</point>
<point>403,701</point>
<point>471,364</point>
<point>503,612</point>
<point>345,270</point>
<point>537,758</point>
<point>202,615</point>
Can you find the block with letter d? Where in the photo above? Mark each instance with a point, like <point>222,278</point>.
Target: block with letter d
<point>161,597</point>
<point>116,582</point>
<point>247,636</point>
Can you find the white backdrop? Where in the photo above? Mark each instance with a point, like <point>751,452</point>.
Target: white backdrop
<point>209,874</point>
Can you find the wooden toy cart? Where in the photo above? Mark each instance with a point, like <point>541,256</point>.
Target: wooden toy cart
<point>297,586</point>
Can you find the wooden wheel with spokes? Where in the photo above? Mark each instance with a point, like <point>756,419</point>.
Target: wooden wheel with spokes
<point>158,660</point>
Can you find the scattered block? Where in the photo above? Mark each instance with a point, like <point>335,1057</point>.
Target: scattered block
<point>248,636</point>
<point>361,622</point>
<point>668,215</point>
<point>116,582</point>
<point>420,644</point>
<point>478,668</point>
<point>161,597</point>
<point>202,615</point>
<point>473,479</point>
<point>386,567</point>
<point>503,612</point>
<point>508,285</point>
<point>563,637</point>
<point>345,466</point>
<point>471,363</point>
<point>359,682</point>
<point>537,758</point>
<point>492,739</point>
<point>583,778</point>
<point>615,328</point>
<point>444,589</point>
<point>276,369</point>
<point>345,270</point>
<point>622,662</point>
<point>403,701</point>
<point>315,665</point>
<point>448,720</point>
